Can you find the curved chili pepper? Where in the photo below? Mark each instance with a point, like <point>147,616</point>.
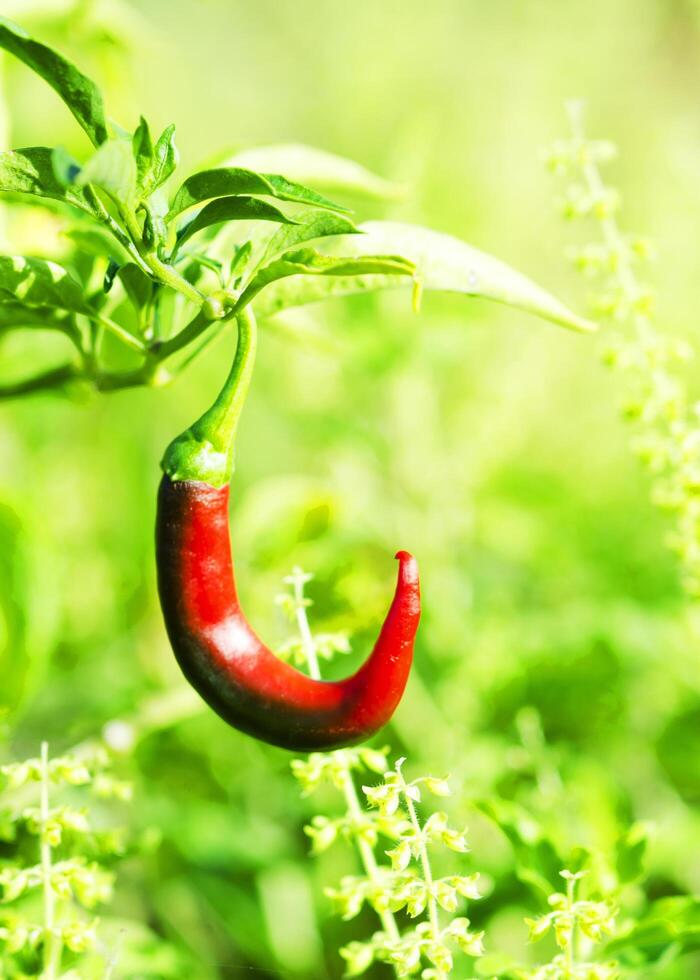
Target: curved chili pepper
<point>219,653</point>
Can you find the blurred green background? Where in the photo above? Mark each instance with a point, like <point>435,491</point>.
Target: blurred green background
<point>485,441</point>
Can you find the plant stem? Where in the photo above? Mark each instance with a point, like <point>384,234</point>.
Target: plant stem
<point>51,948</point>
<point>609,226</point>
<point>190,332</point>
<point>53,378</point>
<point>367,857</point>
<point>161,270</point>
<point>206,450</point>
<point>128,339</point>
<point>114,227</point>
<point>570,953</point>
<point>352,801</point>
<point>307,640</point>
<point>424,857</point>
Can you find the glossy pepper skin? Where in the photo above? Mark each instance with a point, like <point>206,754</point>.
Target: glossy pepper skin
<point>230,667</point>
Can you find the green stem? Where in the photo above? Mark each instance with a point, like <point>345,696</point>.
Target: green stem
<point>570,950</point>
<point>188,333</point>
<point>307,640</point>
<point>612,235</point>
<point>205,451</point>
<point>161,270</point>
<point>352,801</point>
<point>51,379</point>
<point>128,339</point>
<point>424,858</point>
<point>51,948</point>
<point>114,227</point>
<point>367,856</point>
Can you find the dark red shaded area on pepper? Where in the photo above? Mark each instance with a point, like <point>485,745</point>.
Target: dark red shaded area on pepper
<point>230,667</point>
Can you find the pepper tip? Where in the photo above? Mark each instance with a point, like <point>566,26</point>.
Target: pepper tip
<point>408,567</point>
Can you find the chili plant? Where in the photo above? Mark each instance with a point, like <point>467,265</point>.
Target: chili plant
<point>159,273</point>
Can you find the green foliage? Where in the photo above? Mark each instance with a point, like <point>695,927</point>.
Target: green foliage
<point>56,868</point>
<point>79,93</point>
<point>130,170</point>
<point>656,400</point>
<point>556,669</point>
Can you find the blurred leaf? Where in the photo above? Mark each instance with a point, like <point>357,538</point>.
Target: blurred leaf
<point>14,655</point>
<point>319,168</point>
<point>630,850</point>
<point>537,862</point>
<point>232,209</point>
<point>38,283</point>
<point>80,94</point>
<point>225,181</point>
<point>95,240</point>
<point>678,751</point>
<point>14,315</point>
<point>672,926</point>
<point>137,285</point>
<point>112,168</point>
<point>31,171</point>
<point>443,264</point>
<point>309,262</point>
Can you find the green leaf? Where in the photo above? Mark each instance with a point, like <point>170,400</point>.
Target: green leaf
<point>79,93</point>
<point>31,171</point>
<point>670,928</point>
<point>112,168</point>
<point>154,164</point>
<point>35,282</point>
<point>225,181</point>
<point>537,862</point>
<point>14,315</point>
<point>165,159</point>
<point>318,224</point>
<point>143,151</point>
<point>443,263</point>
<point>631,849</point>
<point>308,262</point>
<point>232,209</point>
<point>137,285</point>
<point>318,168</point>
<point>15,655</point>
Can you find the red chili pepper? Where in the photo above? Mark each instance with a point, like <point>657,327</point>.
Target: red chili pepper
<point>219,653</point>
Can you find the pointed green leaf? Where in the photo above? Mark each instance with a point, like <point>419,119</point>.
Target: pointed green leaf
<point>288,190</point>
<point>226,181</point>
<point>112,168</point>
<point>317,224</point>
<point>143,151</point>
<point>308,262</point>
<point>31,171</point>
<point>318,168</point>
<point>79,93</point>
<point>443,264</point>
<point>154,164</point>
<point>35,282</point>
<point>239,208</point>
<point>165,160</point>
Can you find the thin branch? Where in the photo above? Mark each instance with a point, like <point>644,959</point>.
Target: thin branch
<point>56,377</point>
